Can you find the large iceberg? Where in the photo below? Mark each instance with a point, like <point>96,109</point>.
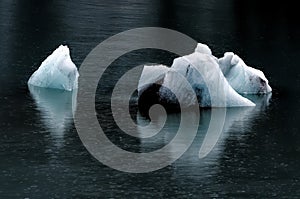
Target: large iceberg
<point>216,82</point>
<point>203,74</point>
<point>57,71</point>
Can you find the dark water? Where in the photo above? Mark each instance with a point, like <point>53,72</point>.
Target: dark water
<point>257,156</point>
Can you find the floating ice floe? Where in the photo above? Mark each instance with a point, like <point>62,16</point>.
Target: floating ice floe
<point>57,71</point>
<point>216,82</point>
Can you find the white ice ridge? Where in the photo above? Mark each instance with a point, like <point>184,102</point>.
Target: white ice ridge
<point>56,71</point>
<point>208,77</point>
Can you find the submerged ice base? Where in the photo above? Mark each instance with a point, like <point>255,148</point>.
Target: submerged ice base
<point>57,71</point>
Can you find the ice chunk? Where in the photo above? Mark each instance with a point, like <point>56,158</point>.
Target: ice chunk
<point>184,93</point>
<point>57,71</point>
<point>152,74</point>
<point>149,85</point>
<point>203,74</point>
<point>207,80</point>
<point>242,78</point>
<point>207,76</point>
<point>202,48</point>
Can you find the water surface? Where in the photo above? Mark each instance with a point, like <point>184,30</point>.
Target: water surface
<point>42,155</point>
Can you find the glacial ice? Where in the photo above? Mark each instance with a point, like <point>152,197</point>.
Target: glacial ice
<point>203,48</point>
<point>208,77</point>
<point>243,79</point>
<point>56,71</point>
<point>152,74</point>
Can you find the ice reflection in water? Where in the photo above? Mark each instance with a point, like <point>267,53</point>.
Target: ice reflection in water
<point>237,119</point>
<point>56,110</point>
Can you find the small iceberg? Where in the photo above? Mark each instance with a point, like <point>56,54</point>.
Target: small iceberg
<point>207,77</point>
<point>57,71</point>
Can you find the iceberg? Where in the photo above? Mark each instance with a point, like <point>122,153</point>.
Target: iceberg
<point>201,71</point>
<point>207,76</point>
<point>56,71</point>
<point>206,79</point>
<point>243,79</point>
